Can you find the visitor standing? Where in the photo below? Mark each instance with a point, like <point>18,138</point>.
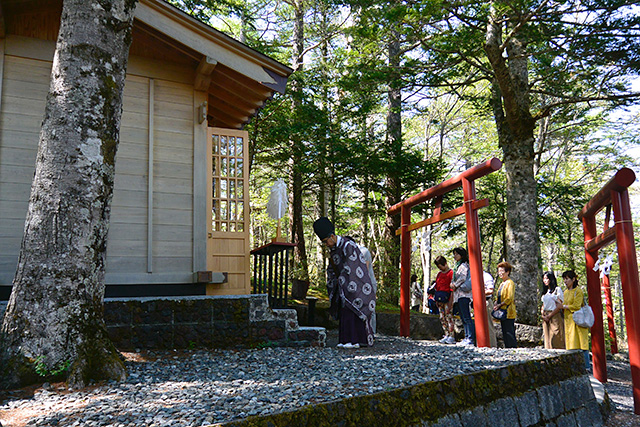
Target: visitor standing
<point>416,293</point>
<point>353,298</point>
<point>576,337</point>
<point>506,301</point>
<point>552,322</point>
<point>461,286</point>
<point>369,261</point>
<point>488,293</point>
<point>443,299</point>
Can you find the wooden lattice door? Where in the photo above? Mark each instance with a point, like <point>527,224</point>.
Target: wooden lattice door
<point>228,210</point>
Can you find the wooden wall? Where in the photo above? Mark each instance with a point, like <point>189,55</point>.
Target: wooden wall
<point>151,238</point>
<point>25,85</point>
<point>166,251</point>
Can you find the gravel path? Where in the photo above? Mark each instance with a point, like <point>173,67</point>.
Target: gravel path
<point>195,388</point>
<point>619,388</point>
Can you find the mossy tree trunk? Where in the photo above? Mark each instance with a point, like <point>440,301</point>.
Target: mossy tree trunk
<point>391,278</point>
<point>301,270</point>
<point>54,320</point>
<point>512,113</point>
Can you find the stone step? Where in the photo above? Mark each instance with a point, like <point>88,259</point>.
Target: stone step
<point>238,321</point>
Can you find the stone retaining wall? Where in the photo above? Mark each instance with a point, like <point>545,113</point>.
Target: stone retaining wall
<point>204,322</point>
<point>548,392</point>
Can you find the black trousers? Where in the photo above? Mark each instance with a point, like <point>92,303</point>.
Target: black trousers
<point>509,332</point>
<point>352,328</point>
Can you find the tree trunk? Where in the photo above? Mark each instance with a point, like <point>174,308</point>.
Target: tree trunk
<point>392,181</point>
<point>515,125</point>
<point>295,212</point>
<point>54,320</point>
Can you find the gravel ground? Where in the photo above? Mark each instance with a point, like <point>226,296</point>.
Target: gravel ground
<point>195,388</point>
<point>619,388</point>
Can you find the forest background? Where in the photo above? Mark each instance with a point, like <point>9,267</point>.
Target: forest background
<point>389,98</point>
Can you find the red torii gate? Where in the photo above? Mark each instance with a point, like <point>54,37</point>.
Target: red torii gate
<point>614,193</point>
<point>470,209</point>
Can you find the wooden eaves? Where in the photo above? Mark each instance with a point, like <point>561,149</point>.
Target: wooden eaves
<point>237,78</point>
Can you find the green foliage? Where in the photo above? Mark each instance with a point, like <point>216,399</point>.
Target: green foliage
<point>42,369</point>
<point>266,344</point>
<point>578,71</point>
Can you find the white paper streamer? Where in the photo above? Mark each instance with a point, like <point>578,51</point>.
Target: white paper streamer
<point>278,202</point>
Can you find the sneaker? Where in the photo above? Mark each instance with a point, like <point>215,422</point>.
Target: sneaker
<point>340,345</point>
<point>450,340</point>
<point>348,345</point>
<point>469,343</point>
<point>465,341</point>
<point>444,339</point>
<point>356,345</point>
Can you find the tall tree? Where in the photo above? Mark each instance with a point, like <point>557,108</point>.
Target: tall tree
<point>394,154</point>
<point>538,57</point>
<point>54,318</point>
<point>297,144</point>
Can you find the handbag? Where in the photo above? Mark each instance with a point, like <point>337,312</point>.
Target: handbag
<point>499,314</point>
<point>584,317</point>
<point>466,286</point>
<point>442,296</point>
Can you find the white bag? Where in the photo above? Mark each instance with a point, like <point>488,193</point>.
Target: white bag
<point>584,317</point>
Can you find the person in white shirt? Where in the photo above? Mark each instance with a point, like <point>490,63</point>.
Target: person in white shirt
<point>488,292</point>
<point>552,322</point>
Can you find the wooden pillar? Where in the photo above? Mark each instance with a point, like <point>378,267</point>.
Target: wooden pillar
<point>630,285</point>
<point>475,264</point>
<point>595,301</point>
<point>611,324</point>
<point>405,271</point>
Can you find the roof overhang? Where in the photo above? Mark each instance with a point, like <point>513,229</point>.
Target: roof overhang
<point>237,78</point>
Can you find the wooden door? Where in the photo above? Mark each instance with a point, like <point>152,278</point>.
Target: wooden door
<point>228,210</point>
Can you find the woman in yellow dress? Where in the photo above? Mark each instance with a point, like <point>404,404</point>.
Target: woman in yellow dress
<point>576,337</point>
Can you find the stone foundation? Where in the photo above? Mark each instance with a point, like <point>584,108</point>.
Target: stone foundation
<point>204,322</point>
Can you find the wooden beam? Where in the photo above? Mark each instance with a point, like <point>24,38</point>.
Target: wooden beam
<point>200,185</point>
<point>3,31</point>
<point>444,187</point>
<point>150,179</point>
<point>221,123</point>
<point>203,73</point>
<point>235,87</point>
<point>243,102</point>
<point>226,117</point>
<point>230,107</point>
<point>1,69</point>
<point>254,86</point>
<point>476,204</point>
<point>602,240</point>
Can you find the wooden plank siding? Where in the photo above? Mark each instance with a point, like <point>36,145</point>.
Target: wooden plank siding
<point>25,85</point>
<point>172,190</point>
<point>20,119</point>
